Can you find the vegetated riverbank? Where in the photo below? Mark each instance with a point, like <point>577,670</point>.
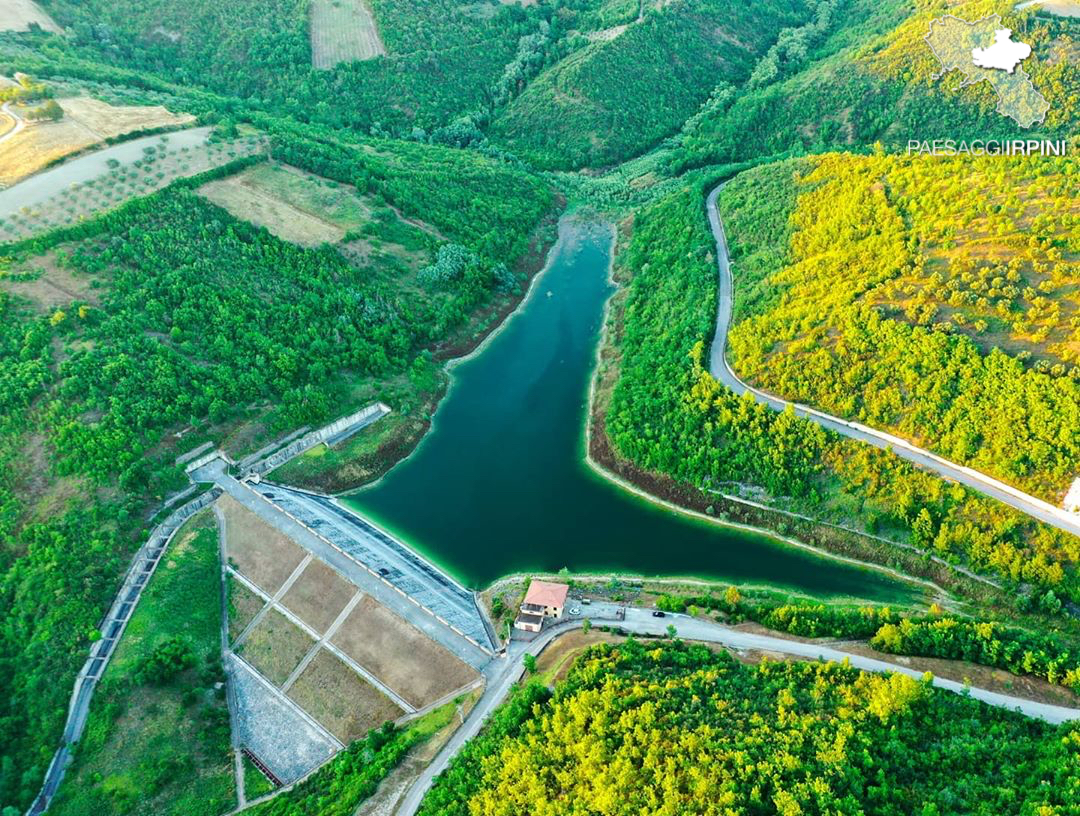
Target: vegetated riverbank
<point>825,539</point>
<point>368,456</point>
<point>797,617</point>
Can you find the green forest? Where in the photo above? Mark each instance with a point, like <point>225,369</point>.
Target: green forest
<point>675,728</point>
<point>195,320</point>
<point>668,414</point>
<point>583,111</point>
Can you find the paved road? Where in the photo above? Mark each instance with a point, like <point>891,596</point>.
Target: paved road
<point>506,671</point>
<point>719,368</point>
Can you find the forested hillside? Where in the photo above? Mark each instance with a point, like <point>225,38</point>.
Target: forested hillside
<point>928,297</point>
<point>442,61</point>
<point>873,78</point>
<point>617,97</point>
<point>667,414</point>
<point>189,320</point>
<point>672,728</point>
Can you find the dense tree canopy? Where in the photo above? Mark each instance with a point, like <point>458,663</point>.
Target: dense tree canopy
<point>671,728</point>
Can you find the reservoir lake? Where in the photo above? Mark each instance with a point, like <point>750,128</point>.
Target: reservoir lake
<point>500,484</point>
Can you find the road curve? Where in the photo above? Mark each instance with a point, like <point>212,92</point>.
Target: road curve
<point>19,126</point>
<point>508,670</point>
<point>719,368</point>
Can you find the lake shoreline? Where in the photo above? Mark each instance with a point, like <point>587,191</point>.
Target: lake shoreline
<point>828,542</point>
<point>574,230</point>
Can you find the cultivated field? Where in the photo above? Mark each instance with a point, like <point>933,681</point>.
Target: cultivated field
<point>18,15</point>
<point>86,122</point>
<point>86,186</point>
<point>343,31</point>
<point>265,556</point>
<point>109,121</point>
<point>250,203</point>
<point>275,647</point>
<point>344,702</point>
<point>55,287</point>
<point>318,595</point>
<point>400,656</point>
<point>293,205</point>
<point>38,145</point>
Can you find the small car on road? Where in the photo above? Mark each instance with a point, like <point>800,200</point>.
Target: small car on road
<point>658,614</point>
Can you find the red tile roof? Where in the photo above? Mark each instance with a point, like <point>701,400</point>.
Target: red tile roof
<point>544,593</point>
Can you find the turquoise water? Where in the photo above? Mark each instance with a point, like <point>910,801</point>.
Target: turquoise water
<point>500,485</point>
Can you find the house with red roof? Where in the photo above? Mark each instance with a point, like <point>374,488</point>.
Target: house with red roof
<point>543,599</point>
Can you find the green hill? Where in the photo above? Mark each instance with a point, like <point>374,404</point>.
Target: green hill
<point>616,98</point>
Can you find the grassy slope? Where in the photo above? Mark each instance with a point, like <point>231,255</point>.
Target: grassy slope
<point>161,748</point>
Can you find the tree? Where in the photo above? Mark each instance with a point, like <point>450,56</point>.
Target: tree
<point>530,663</point>
<point>50,111</point>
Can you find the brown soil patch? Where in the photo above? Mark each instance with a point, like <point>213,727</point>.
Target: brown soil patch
<point>244,605</point>
<point>561,653</point>
<point>86,122</point>
<point>56,288</point>
<point>318,595</point>
<point>17,15</point>
<point>275,647</point>
<point>109,121</point>
<point>38,145</point>
<point>344,702</point>
<point>399,655</point>
<point>265,556</point>
<point>250,203</point>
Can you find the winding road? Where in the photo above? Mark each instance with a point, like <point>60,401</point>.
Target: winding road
<point>719,368</point>
<point>507,670</point>
<point>19,122</point>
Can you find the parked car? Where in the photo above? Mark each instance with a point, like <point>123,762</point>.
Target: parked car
<point>658,614</point>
